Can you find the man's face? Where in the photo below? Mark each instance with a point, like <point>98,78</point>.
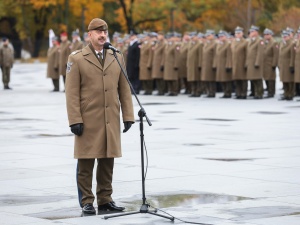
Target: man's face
<point>63,37</point>
<point>222,38</point>
<point>210,37</point>
<point>238,34</point>
<point>286,37</point>
<point>160,37</point>
<point>98,37</point>
<point>186,38</point>
<point>253,34</point>
<point>267,36</point>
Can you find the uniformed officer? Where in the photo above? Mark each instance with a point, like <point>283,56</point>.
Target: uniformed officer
<point>297,64</point>
<point>270,61</point>
<point>76,42</point>
<point>208,73</point>
<point>223,63</point>
<point>239,51</point>
<point>157,72</point>
<point>286,64</point>
<point>6,62</point>
<point>96,89</point>
<point>145,64</point>
<point>53,63</point>
<point>182,70</point>
<point>64,52</point>
<point>170,65</point>
<point>86,39</point>
<point>254,61</point>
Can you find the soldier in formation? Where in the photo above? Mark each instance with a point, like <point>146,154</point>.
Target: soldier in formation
<point>6,62</point>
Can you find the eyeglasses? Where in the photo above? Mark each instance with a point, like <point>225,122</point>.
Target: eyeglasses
<point>101,31</point>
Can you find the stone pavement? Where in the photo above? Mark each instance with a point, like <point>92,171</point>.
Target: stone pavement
<point>215,161</point>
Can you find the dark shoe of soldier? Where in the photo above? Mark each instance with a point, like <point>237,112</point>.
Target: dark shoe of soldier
<point>88,209</point>
<point>241,97</point>
<point>6,87</point>
<point>282,99</point>
<point>226,96</point>
<point>257,97</point>
<point>269,96</point>
<point>55,90</point>
<point>289,99</point>
<point>210,96</point>
<point>171,94</point>
<point>194,95</point>
<point>111,206</point>
<point>251,95</point>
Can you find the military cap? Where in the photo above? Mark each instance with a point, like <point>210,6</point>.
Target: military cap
<point>75,33</point>
<point>153,34</point>
<point>133,32</point>
<point>4,38</point>
<point>120,40</point>
<point>54,38</point>
<point>141,36</point>
<point>239,30</point>
<point>126,37</point>
<point>64,34</point>
<point>116,34</point>
<point>222,33</point>
<point>285,33</point>
<point>253,28</point>
<point>85,34</point>
<point>200,35</point>
<point>176,34</point>
<point>268,32</point>
<point>209,32</point>
<point>97,24</point>
<point>291,30</point>
<point>193,33</point>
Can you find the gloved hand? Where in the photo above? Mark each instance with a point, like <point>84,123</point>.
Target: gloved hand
<point>273,67</point>
<point>149,68</point>
<point>175,68</point>
<point>127,125</point>
<point>256,66</point>
<point>199,68</point>
<point>162,68</point>
<point>77,129</point>
<point>292,70</point>
<point>228,70</point>
<point>214,69</point>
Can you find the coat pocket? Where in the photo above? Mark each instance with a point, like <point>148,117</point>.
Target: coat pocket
<point>84,104</point>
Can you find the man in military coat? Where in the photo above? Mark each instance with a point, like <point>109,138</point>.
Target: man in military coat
<point>270,61</point>
<point>254,61</point>
<point>6,62</point>
<point>286,65</point>
<point>76,44</point>
<point>182,70</point>
<point>297,65</point>
<point>194,60</point>
<point>239,52</point>
<point>96,89</point>
<point>157,72</point>
<point>53,63</point>
<point>208,73</point>
<point>64,52</point>
<point>223,64</point>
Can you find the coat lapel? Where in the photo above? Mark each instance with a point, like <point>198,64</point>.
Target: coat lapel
<point>109,58</point>
<point>90,56</point>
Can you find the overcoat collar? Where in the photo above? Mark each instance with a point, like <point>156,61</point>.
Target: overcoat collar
<point>90,56</point>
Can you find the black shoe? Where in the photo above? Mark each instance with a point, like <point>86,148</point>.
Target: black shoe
<point>251,95</point>
<point>171,94</point>
<point>111,206</point>
<point>210,96</point>
<point>257,97</point>
<point>269,96</point>
<point>88,209</point>
<point>226,96</point>
<point>194,95</point>
<point>241,97</point>
<point>6,87</point>
<point>282,99</point>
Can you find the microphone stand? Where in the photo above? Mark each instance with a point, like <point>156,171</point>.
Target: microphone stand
<point>142,113</point>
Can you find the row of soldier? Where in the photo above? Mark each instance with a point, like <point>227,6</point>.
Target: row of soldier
<point>198,62</point>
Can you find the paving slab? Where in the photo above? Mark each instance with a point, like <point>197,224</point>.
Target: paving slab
<point>210,161</point>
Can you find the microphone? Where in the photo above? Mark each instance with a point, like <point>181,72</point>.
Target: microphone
<point>108,45</point>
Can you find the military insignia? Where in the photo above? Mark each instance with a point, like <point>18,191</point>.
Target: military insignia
<point>75,52</point>
<point>262,43</point>
<point>276,46</point>
<point>69,64</point>
<point>178,48</point>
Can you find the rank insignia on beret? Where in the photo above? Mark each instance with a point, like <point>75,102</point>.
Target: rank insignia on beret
<point>69,64</point>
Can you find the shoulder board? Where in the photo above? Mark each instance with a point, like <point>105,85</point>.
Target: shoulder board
<point>75,52</point>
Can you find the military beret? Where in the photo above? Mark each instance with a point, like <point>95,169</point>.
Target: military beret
<point>85,34</point>
<point>177,35</point>
<point>268,32</point>
<point>209,32</point>
<point>4,38</point>
<point>239,30</point>
<point>97,24</point>
<point>64,34</point>
<point>253,28</point>
<point>193,34</point>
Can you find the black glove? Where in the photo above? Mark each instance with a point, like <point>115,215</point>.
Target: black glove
<point>176,68</point>
<point>77,129</point>
<point>127,125</point>
<point>292,70</point>
<point>162,68</point>
<point>149,68</point>
<point>245,68</point>
<point>273,67</point>
<point>199,68</point>
<point>256,66</point>
<point>56,69</point>
<point>228,70</point>
<point>214,69</point>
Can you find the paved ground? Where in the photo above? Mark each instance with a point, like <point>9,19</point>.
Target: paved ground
<point>215,161</point>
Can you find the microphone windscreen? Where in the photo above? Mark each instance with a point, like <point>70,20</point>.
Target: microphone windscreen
<point>106,45</point>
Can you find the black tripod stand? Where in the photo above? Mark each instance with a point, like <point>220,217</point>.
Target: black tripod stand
<point>142,113</point>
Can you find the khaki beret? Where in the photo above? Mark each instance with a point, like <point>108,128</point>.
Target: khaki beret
<point>97,24</point>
